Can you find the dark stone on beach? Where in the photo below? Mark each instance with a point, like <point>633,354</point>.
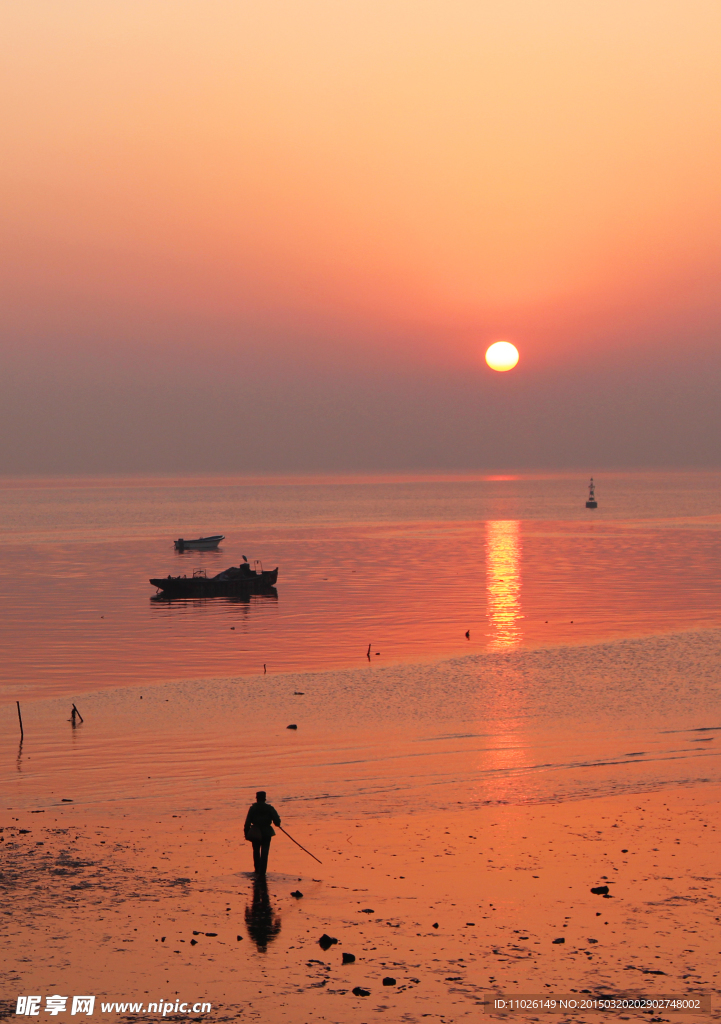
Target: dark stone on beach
<point>348,958</point>
<point>592,941</point>
<point>558,942</point>
<point>434,925</point>
<point>600,890</point>
<point>193,942</point>
<point>24,831</point>
<point>607,896</point>
<point>326,941</point>
<point>298,894</point>
<point>366,910</point>
<point>358,991</point>
<point>470,924</point>
<point>238,938</point>
<point>624,851</point>
<point>212,935</point>
<point>66,800</point>
<point>291,726</point>
<point>162,938</point>
<point>197,933</point>
<point>389,981</point>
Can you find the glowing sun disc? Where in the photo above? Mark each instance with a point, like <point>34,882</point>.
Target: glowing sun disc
<point>502,355</point>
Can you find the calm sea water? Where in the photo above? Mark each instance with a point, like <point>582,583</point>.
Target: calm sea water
<point>592,663</point>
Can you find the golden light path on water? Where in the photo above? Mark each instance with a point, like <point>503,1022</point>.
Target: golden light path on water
<point>503,582</point>
<point>508,752</point>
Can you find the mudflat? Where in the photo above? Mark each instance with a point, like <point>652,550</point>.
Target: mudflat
<point>458,907</point>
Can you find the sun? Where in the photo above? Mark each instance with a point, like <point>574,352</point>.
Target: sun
<point>502,355</point>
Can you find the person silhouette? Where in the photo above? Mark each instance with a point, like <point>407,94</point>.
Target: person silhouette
<point>258,830</point>
<point>261,920</point>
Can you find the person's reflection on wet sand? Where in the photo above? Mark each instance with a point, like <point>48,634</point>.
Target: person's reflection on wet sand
<point>261,920</point>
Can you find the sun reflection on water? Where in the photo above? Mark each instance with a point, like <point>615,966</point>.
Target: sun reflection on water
<point>503,582</point>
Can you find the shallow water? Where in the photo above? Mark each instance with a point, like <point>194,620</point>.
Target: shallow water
<point>519,726</point>
<point>592,665</point>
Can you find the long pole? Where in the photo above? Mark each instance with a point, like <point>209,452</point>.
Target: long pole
<point>298,844</point>
<point>20,719</point>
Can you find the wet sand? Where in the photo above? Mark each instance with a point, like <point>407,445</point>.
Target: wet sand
<point>97,905</point>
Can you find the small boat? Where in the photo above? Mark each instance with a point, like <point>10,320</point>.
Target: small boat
<point>232,582</point>
<point>591,503</point>
<point>199,544</point>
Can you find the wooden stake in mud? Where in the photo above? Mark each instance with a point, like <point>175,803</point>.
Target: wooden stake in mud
<point>20,719</point>
<point>368,652</point>
<point>298,844</point>
<point>76,712</point>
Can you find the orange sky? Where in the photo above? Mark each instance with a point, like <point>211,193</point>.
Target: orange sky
<point>416,176</point>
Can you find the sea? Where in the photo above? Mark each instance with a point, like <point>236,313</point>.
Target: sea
<point>435,640</point>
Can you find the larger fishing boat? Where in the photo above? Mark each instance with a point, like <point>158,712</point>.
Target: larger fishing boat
<point>237,580</point>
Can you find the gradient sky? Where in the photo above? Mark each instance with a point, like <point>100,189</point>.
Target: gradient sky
<point>278,236</point>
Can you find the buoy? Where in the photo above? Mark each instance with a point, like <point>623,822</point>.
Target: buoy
<point>591,503</point>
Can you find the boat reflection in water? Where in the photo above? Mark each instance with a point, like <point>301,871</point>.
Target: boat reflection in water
<point>261,920</point>
<point>243,597</point>
<point>503,582</point>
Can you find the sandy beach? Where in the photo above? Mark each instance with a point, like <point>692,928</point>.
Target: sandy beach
<point>458,908</point>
